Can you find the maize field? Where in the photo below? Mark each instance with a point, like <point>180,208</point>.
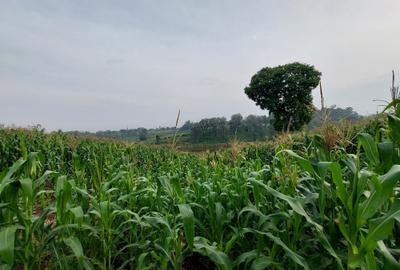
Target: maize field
<point>76,203</point>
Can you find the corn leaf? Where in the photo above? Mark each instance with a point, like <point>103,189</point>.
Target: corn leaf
<point>75,245</point>
<point>201,245</point>
<point>390,262</point>
<point>304,163</point>
<point>263,262</point>
<point>381,227</point>
<point>370,148</point>
<point>78,214</point>
<point>380,194</point>
<point>394,127</point>
<point>7,178</point>
<point>188,223</point>
<point>27,187</point>
<point>7,239</point>
<point>290,253</point>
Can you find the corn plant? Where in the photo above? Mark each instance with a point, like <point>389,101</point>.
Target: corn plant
<point>77,203</point>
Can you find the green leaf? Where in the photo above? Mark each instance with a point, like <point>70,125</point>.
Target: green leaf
<point>140,264</point>
<point>246,257</point>
<point>39,182</point>
<point>188,223</point>
<point>383,190</point>
<point>27,187</point>
<point>371,205</point>
<point>5,267</point>
<point>261,263</point>
<point>337,178</point>
<point>219,214</point>
<point>370,260</point>
<point>298,208</point>
<point>390,262</point>
<point>155,220</point>
<point>294,203</point>
<point>394,127</point>
<point>391,104</point>
<point>290,253</point>
<point>386,154</point>
<point>370,148</point>
<point>304,163</point>
<point>320,145</point>
<point>7,238</point>
<point>166,184</point>
<point>7,178</point>
<point>381,227</point>
<point>78,214</point>
<point>345,231</point>
<point>201,245</point>
<point>177,189</point>
<point>75,245</point>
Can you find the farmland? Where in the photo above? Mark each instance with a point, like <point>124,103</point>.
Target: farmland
<point>199,135</point>
<point>297,203</point>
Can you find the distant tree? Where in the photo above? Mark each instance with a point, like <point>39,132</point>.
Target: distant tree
<point>333,114</point>
<point>186,126</point>
<point>217,129</point>
<point>142,132</point>
<point>210,130</point>
<point>338,114</point>
<point>256,127</point>
<point>235,124</point>
<point>158,139</point>
<point>285,91</point>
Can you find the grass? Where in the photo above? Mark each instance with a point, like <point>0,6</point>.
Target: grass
<point>302,201</point>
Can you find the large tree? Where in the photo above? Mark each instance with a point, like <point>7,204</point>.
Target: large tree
<point>285,91</point>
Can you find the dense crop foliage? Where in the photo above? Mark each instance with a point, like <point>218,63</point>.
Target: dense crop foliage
<point>70,203</point>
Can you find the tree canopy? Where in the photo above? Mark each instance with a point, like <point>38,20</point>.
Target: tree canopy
<point>218,129</point>
<point>285,91</point>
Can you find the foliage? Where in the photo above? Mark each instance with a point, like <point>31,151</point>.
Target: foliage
<point>251,128</point>
<point>333,114</point>
<point>213,129</point>
<point>73,203</point>
<point>218,129</point>
<point>142,134</point>
<point>285,91</point>
<point>186,126</point>
<point>136,134</point>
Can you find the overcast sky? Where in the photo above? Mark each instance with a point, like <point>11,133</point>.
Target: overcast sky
<point>95,65</point>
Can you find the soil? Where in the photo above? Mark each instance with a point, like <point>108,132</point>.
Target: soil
<point>198,262</point>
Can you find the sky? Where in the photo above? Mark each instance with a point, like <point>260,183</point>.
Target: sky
<point>98,65</point>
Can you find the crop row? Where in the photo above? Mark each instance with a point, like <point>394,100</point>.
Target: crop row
<point>68,203</point>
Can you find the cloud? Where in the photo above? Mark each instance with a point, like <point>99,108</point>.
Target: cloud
<point>115,61</point>
<point>79,65</point>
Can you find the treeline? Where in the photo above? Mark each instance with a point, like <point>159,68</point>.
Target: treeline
<point>136,134</point>
<point>218,129</point>
<point>333,114</point>
<point>253,127</point>
<point>221,130</point>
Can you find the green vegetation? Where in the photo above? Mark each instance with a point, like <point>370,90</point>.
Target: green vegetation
<point>285,91</point>
<point>136,134</point>
<point>218,130</point>
<point>312,201</point>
